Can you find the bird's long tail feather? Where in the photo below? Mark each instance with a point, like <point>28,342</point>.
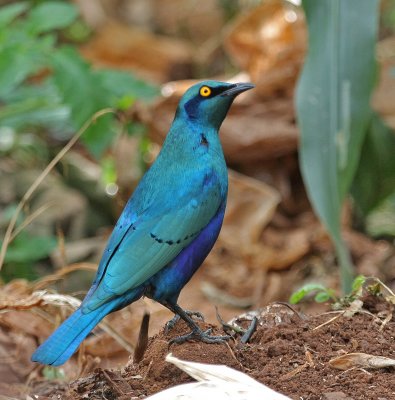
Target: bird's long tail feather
<point>62,344</point>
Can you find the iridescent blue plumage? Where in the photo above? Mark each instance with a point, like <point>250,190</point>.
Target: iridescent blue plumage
<point>168,226</point>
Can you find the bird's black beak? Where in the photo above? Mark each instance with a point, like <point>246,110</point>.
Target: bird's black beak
<point>237,88</point>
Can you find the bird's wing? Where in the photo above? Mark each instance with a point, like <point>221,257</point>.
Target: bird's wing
<point>142,248</point>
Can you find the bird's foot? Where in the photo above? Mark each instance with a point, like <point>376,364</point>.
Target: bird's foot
<point>203,336</point>
<point>172,323</point>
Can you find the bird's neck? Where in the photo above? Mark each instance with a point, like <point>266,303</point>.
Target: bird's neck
<point>190,136</point>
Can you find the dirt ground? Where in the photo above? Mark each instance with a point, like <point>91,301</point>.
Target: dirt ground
<point>289,352</point>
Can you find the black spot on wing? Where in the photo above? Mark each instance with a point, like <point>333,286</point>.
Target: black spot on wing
<point>170,242</point>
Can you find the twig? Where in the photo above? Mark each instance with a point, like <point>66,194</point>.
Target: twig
<point>114,384</point>
<point>228,327</point>
<point>148,370</point>
<point>283,303</point>
<point>46,280</point>
<point>250,331</point>
<point>382,284</point>
<point>353,369</point>
<point>308,364</point>
<point>9,232</point>
<point>116,336</point>
<point>328,322</point>
<point>30,218</point>
<point>234,356</point>
<point>386,320</point>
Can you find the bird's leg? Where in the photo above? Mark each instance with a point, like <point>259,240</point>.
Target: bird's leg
<point>196,332</point>
<point>171,324</point>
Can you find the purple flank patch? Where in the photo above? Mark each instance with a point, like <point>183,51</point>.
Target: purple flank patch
<point>170,280</point>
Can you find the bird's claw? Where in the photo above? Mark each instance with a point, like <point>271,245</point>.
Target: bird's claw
<point>172,323</point>
<point>203,336</point>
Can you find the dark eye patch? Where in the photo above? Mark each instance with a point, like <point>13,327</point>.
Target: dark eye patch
<point>216,90</point>
<point>191,106</point>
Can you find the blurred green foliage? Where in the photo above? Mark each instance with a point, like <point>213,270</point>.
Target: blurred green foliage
<point>45,84</point>
<point>47,92</point>
<point>324,294</point>
<point>25,250</point>
<point>375,177</point>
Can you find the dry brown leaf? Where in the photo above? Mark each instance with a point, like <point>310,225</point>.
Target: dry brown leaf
<point>37,299</point>
<point>361,360</point>
<point>250,207</point>
<point>152,56</point>
<point>282,248</point>
<point>269,43</point>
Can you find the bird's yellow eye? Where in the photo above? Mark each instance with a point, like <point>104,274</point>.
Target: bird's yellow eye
<point>205,91</point>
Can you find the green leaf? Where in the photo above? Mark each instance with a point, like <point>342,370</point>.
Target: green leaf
<point>26,248</point>
<point>53,373</point>
<point>358,283</point>
<point>51,15</point>
<point>375,177</point>
<point>381,220</point>
<point>16,65</point>
<point>21,56</point>
<point>109,170</point>
<point>304,291</point>
<point>322,297</point>
<point>124,85</point>
<point>36,105</point>
<point>85,95</point>
<point>333,109</point>
<point>9,12</point>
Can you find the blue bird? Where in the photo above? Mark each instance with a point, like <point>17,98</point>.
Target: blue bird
<point>167,227</point>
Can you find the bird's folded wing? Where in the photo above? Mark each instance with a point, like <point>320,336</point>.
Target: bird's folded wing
<point>136,253</point>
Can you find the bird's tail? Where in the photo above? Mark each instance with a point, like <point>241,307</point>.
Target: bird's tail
<point>63,342</point>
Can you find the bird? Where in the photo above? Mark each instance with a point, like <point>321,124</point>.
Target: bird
<point>166,229</point>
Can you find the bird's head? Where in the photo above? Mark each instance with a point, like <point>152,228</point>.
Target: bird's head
<point>208,102</point>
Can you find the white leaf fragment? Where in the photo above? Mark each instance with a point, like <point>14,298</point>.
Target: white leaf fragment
<point>216,381</point>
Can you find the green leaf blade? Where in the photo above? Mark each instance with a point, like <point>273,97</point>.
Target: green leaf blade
<point>85,96</point>
<point>332,102</point>
<point>375,177</point>
<point>28,249</point>
<point>305,290</point>
<point>51,15</point>
<point>9,12</point>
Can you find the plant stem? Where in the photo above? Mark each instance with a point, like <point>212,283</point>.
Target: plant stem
<point>345,265</point>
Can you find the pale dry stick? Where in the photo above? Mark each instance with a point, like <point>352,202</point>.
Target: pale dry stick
<point>328,322</point>
<point>41,177</point>
<point>308,364</point>
<point>385,322</point>
<point>148,370</point>
<point>30,218</point>
<point>382,284</point>
<point>112,382</point>
<point>353,369</point>
<point>342,313</point>
<point>116,336</point>
<point>60,274</point>
<point>234,357</point>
